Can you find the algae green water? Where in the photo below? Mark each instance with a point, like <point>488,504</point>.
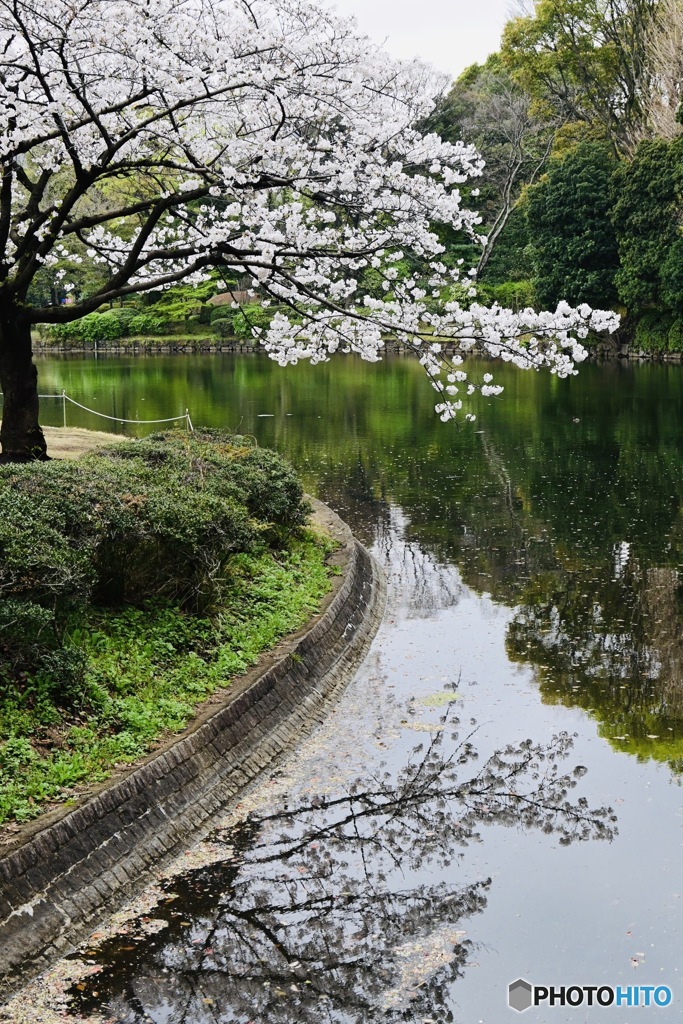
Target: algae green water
<point>534,562</point>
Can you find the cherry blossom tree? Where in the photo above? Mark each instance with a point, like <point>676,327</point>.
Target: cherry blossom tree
<point>166,139</point>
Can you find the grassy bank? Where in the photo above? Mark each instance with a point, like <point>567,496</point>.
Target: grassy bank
<point>147,669</point>
<point>135,583</point>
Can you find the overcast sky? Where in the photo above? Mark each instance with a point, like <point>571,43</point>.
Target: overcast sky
<point>451,34</point>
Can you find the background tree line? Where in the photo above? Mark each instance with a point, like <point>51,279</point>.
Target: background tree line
<point>578,117</point>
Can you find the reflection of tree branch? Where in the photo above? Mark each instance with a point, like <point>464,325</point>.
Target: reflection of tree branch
<point>293,934</point>
<point>426,585</point>
<point>499,468</point>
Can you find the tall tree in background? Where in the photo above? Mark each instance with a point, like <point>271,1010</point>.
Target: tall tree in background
<point>648,215</point>
<point>574,243</point>
<point>664,55</point>
<point>486,106</point>
<point>586,60</point>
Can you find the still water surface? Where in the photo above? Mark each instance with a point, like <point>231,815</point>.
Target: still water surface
<point>403,868</point>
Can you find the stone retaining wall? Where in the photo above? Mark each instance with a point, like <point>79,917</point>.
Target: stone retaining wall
<point>77,864</point>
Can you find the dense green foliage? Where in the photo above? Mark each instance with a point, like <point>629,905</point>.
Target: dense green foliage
<point>162,515</point>
<point>585,61</point>
<point>171,518</point>
<point>647,210</point>
<point>510,261</point>
<point>573,242</point>
<point>179,311</point>
<point>582,196</point>
<point>250,317</point>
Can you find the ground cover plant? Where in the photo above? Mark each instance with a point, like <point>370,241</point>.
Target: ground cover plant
<point>133,584</point>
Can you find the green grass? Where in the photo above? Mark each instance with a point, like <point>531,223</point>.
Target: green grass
<point>147,670</point>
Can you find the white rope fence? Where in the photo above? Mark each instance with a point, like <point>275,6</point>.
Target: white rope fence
<point>119,419</point>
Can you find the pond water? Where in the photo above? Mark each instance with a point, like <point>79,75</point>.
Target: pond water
<point>419,854</point>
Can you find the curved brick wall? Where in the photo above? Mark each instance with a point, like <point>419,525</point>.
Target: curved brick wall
<point>73,865</point>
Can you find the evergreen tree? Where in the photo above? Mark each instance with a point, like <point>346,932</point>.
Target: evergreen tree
<point>647,210</point>
<point>572,240</point>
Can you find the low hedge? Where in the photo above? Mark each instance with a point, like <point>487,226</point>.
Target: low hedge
<point>107,326</point>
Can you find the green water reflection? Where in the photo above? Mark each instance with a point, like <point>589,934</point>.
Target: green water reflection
<point>563,500</point>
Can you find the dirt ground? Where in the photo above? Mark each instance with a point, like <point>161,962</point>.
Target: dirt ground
<point>70,442</point>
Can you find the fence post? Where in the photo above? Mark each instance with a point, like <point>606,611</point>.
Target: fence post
<point>189,421</point>
<point>64,404</point>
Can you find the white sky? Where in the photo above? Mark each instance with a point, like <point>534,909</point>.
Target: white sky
<point>451,34</point>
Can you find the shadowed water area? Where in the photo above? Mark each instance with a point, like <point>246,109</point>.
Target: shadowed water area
<point>434,841</point>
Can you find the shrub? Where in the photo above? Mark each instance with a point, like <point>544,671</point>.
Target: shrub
<point>122,314</point>
<point>99,327</point>
<point>222,326</point>
<point>652,331</point>
<point>175,305</point>
<point>162,516</point>
<point>224,312</point>
<point>91,328</point>
<point>35,652</point>
<point>137,518</point>
<point>514,295</point>
<point>671,275</point>
<point>147,323</point>
<point>253,315</point>
<point>194,325</point>
<point>676,336</point>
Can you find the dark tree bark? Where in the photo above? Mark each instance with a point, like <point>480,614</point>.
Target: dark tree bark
<point>20,434</point>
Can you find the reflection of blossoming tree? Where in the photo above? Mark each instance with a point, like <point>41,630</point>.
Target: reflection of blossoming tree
<point>323,912</point>
<point>260,137</point>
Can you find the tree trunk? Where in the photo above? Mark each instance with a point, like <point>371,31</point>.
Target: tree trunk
<point>20,435</point>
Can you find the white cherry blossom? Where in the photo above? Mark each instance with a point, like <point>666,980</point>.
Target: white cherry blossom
<point>264,138</point>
